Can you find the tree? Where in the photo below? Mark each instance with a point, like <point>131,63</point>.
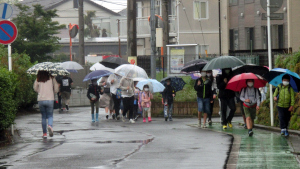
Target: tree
<point>92,30</point>
<point>36,32</point>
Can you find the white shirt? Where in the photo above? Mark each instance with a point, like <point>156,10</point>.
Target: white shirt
<point>114,86</point>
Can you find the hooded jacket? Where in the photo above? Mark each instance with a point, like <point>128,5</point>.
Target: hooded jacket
<point>94,90</point>
<point>167,94</point>
<point>286,96</point>
<point>204,90</point>
<point>223,92</point>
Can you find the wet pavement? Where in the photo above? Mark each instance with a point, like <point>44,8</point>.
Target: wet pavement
<point>78,143</point>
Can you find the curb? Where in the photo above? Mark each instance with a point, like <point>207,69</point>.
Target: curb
<point>274,129</point>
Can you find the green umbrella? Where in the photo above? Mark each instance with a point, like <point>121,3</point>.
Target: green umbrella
<point>223,62</point>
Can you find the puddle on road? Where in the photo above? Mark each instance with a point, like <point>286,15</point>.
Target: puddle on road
<point>132,141</point>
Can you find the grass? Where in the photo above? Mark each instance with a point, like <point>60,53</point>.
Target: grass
<point>188,94</point>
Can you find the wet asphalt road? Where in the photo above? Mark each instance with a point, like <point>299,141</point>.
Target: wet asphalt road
<point>78,143</point>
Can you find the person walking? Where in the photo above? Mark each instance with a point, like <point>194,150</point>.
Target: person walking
<point>106,100</point>
<point>251,101</point>
<point>58,78</point>
<point>204,97</point>
<point>127,87</point>
<point>136,102</point>
<point>93,95</point>
<point>114,82</point>
<point>146,103</point>
<point>46,86</point>
<point>168,98</point>
<point>285,96</point>
<point>65,91</point>
<point>214,92</point>
<point>226,96</point>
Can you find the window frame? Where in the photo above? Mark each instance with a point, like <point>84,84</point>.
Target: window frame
<point>194,9</point>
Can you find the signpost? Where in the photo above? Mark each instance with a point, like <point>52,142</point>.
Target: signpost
<point>73,30</point>
<point>8,34</point>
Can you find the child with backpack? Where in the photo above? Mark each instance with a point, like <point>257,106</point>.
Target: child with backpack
<point>285,96</point>
<point>251,100</point>
<point>146,103</point>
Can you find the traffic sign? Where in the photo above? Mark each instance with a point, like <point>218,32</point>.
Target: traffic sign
<point>8,32</point>
<point>6,11</point>
<point>73,30</point>
<point>275,5</point>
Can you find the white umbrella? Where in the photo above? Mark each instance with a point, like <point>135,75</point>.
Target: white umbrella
<point>98,66</point>
<point>53,68</point>
<point>71,65</point>
<point>131,71</point>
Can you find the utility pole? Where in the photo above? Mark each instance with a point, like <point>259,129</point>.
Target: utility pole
<point>165,17</point>
<point>119,38</point>
<point>81,32</point>
<point>220,39</point>
<point>131,28</point>
<point>153,42</point>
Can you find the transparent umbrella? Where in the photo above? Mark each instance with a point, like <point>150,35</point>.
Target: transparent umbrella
<point>99,66</point>
<point>131,71</point>
<point>71,66</point>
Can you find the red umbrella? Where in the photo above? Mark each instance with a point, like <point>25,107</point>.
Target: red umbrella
<point>238,82</point>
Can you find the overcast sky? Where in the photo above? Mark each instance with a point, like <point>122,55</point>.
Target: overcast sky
<point>114,5</point>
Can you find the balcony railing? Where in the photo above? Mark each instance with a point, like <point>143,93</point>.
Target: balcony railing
<point>143,26</point>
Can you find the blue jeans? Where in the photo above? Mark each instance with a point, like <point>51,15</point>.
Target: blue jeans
<point>46,108</point>
<point>168,110</point>
<point>203,105</point>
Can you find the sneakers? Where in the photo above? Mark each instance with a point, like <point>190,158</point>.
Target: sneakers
<point>131,121</point>
<point>118,117</point>
<point>44,135</point>
<point>209,122</point>
<point>149,119</point>
<point>230,125</point>
<point>282,132</point>
<point>286,134</point>
<point>67,107</point>
<point>114,116</point>
<point>204,126</point>
<point>224,127</point>
<point>123,118</point>
<point>50,130</point>
<point>144,120</point>
<point>250,133</point>
<point>166,118</point>
<point>107,117</point>
<point>110,117</point>
<point>136,117</point>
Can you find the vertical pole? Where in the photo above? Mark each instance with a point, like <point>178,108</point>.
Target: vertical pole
<point>153,43</point>
<point>131,28</point>
<point>177,13</point>
<point>10,69</point>
<point>165,17</point>
<point>81,32</point>
<point>119,38</point>
<point>251,47</point>
<point>70,27</point>
<point>270,61</point>
<point>220,38</point>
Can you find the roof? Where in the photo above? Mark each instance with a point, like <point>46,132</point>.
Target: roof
<point>47,4</point>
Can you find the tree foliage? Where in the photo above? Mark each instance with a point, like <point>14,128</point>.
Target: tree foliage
<point>92,30</point>
<point>36,32</point>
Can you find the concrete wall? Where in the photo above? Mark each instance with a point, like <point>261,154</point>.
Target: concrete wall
<point>293,9</point>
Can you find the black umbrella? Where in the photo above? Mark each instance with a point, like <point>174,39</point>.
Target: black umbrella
<point>259,70</point>
<point>194,66</point>
<point>223,62</point>
<point>113,62</point>
<point>176,82</point>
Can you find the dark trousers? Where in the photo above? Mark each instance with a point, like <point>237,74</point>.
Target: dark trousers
<point>128,106</point>
<point>211,110</point>
<point>117,103</point>
<point>59,101</point>
<point>231,104</point>
<point>284,117</point>
<point>135,110</point>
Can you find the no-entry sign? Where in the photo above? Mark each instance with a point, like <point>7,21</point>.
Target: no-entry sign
<point>8,32</point>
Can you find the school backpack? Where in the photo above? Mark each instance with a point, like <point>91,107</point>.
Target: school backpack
<point>280,88</point>
<point>255,89</point>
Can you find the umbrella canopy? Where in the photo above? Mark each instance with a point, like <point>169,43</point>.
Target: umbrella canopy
<point>177,82</point>
<point>155,86</point>
<point>274,77</point>
<point>259,70</point>
<point>98,66</point>
<point>131,71</point>
<point>113,62</point>
<point>215,72</point>
<point>96,75</point>
<point>238,82</point>
<point>195,76</point>
<point>223,62</point>
<point>53,68</point>
<point>71,65</point>
<point>194,66</point>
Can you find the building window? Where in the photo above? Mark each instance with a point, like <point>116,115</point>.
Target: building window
<point>264,33</point>
<point>234,39</point>
<point>75,3</point>
<point>233,2</point>
<point>249,38</point>
<point>200,9</point>
<point>277,37</point>
<point>280,37</point>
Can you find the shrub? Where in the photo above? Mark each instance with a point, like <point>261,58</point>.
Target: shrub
<point>8,106</point>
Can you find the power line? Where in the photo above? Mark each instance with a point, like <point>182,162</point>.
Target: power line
<point>188,22</point>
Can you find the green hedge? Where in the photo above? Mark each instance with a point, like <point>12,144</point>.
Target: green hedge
<point>8,106</point>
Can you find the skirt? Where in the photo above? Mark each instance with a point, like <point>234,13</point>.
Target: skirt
<point>106,101</point>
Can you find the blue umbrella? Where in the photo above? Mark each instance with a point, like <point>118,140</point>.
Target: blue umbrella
<point>176,82</point>
<point>96,75</point>
<point>153,83</point>
<point>274,77</point>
